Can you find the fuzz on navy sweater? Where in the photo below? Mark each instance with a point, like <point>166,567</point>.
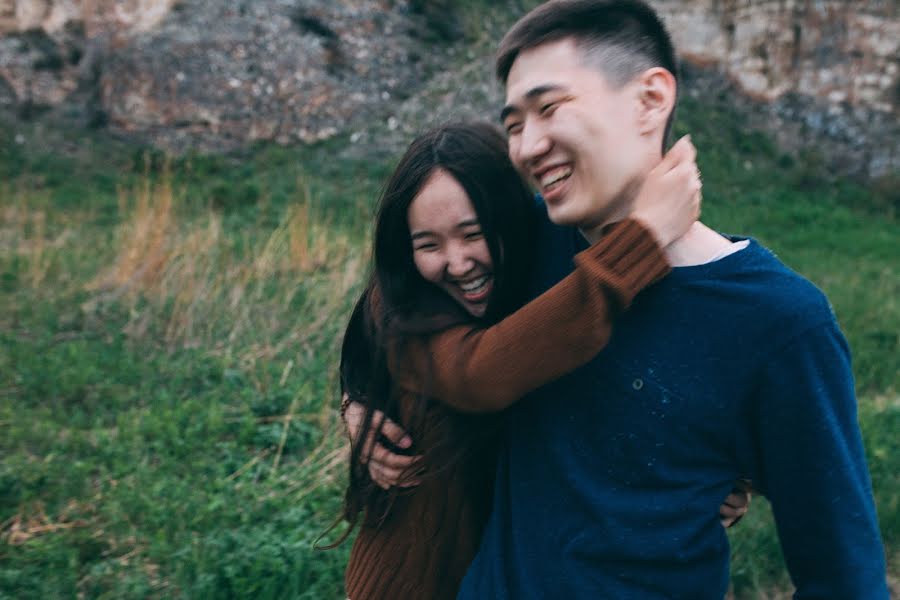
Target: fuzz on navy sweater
<point>610,479</point>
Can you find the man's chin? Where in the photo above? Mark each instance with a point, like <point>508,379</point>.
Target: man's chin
<point>563,215</point>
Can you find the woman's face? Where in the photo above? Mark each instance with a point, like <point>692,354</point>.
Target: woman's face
<point>449,248</point>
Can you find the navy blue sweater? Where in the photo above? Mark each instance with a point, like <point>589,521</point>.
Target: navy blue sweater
<point>611,478</point>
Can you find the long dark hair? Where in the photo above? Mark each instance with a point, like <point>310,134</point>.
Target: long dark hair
<point>398,304</point>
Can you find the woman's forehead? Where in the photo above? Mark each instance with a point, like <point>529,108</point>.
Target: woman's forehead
<point>441,205</point>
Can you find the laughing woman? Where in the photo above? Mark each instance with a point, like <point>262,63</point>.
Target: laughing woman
<point>442,332</point>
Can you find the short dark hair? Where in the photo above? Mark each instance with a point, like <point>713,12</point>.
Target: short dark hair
<point>621,38</point>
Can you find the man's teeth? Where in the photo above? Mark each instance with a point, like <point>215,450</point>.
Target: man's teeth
<point>555,175</point>
<point>475,285</point>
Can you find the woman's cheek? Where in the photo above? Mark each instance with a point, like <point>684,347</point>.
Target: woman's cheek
<point>427,266</point>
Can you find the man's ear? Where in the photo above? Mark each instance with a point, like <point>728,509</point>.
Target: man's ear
<point>657,90</point>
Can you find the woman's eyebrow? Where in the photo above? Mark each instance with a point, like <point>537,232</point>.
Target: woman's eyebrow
<point>421,233</point>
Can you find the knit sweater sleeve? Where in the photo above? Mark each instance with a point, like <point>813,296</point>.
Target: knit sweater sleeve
<point>487,369</point>
<point>813,469</point>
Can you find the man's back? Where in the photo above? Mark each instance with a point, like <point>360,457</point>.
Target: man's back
<point>611,478</point>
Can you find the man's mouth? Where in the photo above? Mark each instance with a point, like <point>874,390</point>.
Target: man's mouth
<point>553,177</point>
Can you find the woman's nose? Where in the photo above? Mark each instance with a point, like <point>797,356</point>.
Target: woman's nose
<point>459,263</point>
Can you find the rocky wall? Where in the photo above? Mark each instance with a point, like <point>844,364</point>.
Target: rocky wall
<point>837,50</point>
<point>219,74</point>
<point>821,70</point>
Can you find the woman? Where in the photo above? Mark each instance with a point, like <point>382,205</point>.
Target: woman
<point>441,332</point>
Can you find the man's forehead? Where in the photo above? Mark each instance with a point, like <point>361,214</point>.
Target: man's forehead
<point>559,54</point>
<point>551,64</point>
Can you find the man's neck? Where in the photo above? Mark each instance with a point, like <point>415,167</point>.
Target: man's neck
<point>698,246</point>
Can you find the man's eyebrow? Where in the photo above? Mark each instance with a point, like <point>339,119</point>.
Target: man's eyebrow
<point>509,108</point>
<point>530,95</point>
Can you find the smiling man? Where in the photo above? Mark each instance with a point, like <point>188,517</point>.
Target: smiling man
<point>731,367</point>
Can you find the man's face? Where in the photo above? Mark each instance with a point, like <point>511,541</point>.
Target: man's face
<point>573,136</point>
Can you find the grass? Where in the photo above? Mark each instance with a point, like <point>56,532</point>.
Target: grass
<point>169,331</point>
<point>167,378</point>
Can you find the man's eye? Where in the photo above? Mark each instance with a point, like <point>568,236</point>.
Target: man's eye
<point>513,128</point>
<point>548,107</point>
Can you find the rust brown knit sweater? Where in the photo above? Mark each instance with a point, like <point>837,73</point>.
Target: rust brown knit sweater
<point>422,549</point>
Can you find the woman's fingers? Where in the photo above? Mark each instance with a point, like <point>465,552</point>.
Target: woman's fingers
<point>396,434</point>
<point>681,152</point>
<point>383,477</point>
<point>353,420</point>
<point>738,499</point>
<point>729,515</point>
<point>668,202</point>
<point>735,506</point>
<point>391,460</point>
<point>731,512</point>
<point>386,475</point>
<point>386,468</point>
<point>378,419</point>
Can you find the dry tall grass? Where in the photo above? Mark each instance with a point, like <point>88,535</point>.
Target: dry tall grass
<point>25,235</point>
<point>201,287</point>
<point>248,297</point>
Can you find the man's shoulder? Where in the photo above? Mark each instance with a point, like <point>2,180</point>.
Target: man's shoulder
<point>791,301</point>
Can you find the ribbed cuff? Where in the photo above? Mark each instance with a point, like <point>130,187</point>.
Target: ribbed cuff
<point>631,255</point>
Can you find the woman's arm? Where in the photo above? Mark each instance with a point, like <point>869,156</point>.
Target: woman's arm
<point>487,369</point>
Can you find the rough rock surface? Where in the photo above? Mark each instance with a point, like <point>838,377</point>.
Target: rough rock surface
<point>221,74</point>
<point>824,72</point>
<point>213,74</point>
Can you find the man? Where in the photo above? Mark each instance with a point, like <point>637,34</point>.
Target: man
<point>732,367</point>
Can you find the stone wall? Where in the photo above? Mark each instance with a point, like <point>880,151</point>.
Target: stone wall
<point>218,74</point>
<point>43,42</point>
<point>837,50</point>
<point>210,74</point>
<point>820,70</point>
<point>120,17</point>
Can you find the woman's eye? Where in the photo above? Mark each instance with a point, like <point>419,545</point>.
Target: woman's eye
<point>425,247</point>
<point>474,235</point>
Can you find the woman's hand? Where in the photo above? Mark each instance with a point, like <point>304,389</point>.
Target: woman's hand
<point>385,467</point>
<point>668,202</point>
<point>736,504</point>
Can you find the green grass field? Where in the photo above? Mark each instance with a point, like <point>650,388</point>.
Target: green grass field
<point>169,332</point>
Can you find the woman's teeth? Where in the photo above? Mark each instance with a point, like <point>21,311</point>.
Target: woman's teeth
<point>476,285</point>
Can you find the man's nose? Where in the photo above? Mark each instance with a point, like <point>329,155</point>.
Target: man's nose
<point>533,144</point>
